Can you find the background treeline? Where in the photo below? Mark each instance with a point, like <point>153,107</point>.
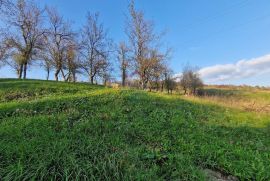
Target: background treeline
<point>33,35</point>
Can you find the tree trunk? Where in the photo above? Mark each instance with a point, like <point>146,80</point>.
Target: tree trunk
<point>67,77</point>
<point>20,71</point>
<point>56,74</point>
<point>157,86</point>
<point>123,77</point>
<point>91,72</point>
<point>24,71</point>
<point>63,75</point>
<point>92,79</point>
<point>74,76</point>
<point>48,74</point>
<point>143,84</point>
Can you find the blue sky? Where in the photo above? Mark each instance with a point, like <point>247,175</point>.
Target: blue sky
<point>209,34</point>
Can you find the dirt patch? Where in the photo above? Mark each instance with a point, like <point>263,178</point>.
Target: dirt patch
<point>214,175</point>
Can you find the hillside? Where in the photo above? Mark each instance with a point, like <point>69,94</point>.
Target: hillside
<point>65,131</point>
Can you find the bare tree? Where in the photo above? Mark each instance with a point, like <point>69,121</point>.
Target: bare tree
<point>95,46</point>
<point>184,80</point>
<point>25,32</point>
<point>144,42</point>
<point>156,69</point>
<point>46,62</point>
<point>58,38</point>
<point>3,54</point>
<point>190,80</point>
<point>4,48</point>
<point>72,63</point>
<point>48,66</point>
<point>105,71</point>
<point>169,81</point>
<point>195,83</point>
<point>18,61</point>
<point>124,61</point>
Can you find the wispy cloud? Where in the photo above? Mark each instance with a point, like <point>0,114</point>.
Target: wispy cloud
<point>239,70</point>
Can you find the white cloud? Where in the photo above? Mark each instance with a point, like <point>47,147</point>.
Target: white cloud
<point>239,70</point>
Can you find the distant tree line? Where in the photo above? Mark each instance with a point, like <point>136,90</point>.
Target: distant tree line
<point>33,35</point>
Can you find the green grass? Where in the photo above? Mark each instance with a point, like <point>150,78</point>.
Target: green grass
<point>62,131</point>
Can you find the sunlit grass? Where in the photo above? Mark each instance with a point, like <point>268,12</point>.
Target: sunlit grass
<point>245,99</point>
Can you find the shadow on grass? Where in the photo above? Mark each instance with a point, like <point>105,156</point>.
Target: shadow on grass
<point>218,92</point>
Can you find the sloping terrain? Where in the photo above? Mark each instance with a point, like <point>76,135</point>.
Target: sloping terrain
<point>65,131</point>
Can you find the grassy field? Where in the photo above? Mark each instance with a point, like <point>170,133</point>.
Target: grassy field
<point>65,131</point>
<point>245,98</point>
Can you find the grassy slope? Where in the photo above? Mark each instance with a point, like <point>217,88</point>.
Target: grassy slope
<point>77,131</point>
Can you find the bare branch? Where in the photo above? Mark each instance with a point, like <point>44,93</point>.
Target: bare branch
<point>24,33</point>
<point>95,47</point>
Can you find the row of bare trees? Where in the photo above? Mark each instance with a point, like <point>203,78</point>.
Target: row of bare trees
<point>25,40</point>
<point>34,35</point>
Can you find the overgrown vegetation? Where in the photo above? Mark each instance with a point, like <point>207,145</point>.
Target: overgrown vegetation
<point>253,99</point>
<point>66,131</point>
